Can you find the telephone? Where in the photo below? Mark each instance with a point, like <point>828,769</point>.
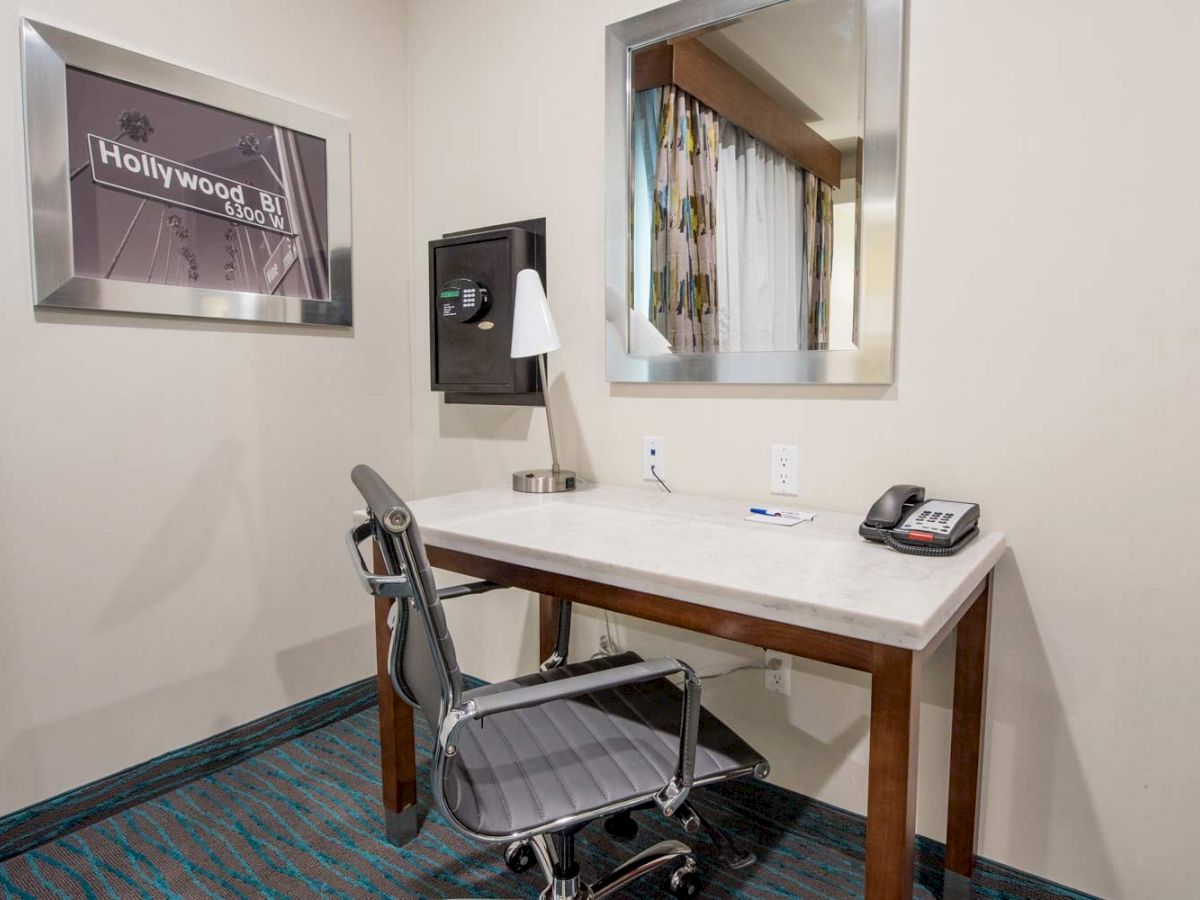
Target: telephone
<point>905,521</point>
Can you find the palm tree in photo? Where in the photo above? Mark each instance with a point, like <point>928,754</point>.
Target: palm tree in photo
<point>162,220</point>
<point>131,125</point>
<point>124,240</point>
<point>249,145</point>
<point>176,232</point>
<point>231,267</point>
<point>134,126</point>
<point>193,270</point>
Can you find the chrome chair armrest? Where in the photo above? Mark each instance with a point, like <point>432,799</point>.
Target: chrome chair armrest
<point>675,792</point>
<point>394,586</point>
<point>398,585</point>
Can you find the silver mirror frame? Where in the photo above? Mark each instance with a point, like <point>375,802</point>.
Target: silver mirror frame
<point>46,52</point>
<point>872,361</point>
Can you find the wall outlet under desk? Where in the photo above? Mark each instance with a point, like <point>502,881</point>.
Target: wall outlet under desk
<point>778,672</point>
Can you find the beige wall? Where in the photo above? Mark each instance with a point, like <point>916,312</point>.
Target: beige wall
<point>1046,368</point>
<point>172,493</point>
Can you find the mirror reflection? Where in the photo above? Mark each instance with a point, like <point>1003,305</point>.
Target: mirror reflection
<point>745,163</point>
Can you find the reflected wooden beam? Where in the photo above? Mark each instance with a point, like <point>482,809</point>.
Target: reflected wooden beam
<point>697,70</point>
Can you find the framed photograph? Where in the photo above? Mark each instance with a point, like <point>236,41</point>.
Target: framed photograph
<point>155,189</point>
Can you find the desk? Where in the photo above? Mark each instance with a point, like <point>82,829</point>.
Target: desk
<point>814,590</point>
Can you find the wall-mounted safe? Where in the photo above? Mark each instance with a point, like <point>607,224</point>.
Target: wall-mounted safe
<point>472,281</point>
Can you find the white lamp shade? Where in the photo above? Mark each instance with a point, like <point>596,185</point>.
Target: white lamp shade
<point>533,326</point>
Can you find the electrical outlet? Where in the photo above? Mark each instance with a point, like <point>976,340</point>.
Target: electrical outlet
<point>783,469</point>
<point>654,453</point>
<point>779,679</point>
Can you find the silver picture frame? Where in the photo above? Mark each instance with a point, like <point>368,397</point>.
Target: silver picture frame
<point>872,360</point>
<point>46,54</point>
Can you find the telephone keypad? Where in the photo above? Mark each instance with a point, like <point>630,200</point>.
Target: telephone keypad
<point>933,521</point>
<point>935,516</point>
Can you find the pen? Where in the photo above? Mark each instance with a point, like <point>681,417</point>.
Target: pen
<point>782,513</point>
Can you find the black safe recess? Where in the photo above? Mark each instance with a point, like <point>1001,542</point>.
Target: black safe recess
<point>472,280</point>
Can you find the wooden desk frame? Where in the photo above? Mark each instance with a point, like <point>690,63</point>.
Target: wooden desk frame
<point>895,673</point>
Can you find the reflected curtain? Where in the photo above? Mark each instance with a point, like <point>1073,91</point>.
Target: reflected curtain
<point>737,239</point>
<point>760,245</point>
<point>683,288</point>
<point>818,261</point>
<point>647,114</point>
<point>774,249</point>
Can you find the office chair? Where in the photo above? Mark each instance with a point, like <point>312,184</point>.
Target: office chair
<point>529,762</point>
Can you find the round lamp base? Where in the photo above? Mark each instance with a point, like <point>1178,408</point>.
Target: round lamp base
<point>543,481</point>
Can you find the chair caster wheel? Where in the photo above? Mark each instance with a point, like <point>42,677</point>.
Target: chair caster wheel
<point>519,857</point>
<point>621,826</point>
<point>686,882</point>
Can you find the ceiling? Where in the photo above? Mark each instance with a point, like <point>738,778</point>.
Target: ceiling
<point>807,54</point>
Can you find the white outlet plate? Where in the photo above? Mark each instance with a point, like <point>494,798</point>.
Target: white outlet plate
<point>778,681</point>
<point>784,478</point>
<point>654,453</point>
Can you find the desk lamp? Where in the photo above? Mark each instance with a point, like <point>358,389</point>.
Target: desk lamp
<point>534,334</point>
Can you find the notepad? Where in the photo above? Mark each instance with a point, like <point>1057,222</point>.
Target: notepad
<point>786,521</point>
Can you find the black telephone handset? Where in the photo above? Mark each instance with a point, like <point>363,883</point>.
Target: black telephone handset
<point>905,521</point>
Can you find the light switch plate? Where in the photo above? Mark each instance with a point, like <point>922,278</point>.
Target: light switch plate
<point>783,470</point>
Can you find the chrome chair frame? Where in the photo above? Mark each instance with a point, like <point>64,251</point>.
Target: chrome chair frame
<point>388,523</point>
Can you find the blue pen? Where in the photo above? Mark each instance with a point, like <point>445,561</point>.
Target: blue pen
<point>778,513</point>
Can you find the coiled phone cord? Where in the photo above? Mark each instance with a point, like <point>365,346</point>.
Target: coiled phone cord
<point>913,550</point>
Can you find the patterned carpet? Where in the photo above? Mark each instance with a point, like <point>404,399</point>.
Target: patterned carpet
<point>302,819</point>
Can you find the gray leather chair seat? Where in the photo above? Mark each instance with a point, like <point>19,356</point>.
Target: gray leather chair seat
<point>524,768</point>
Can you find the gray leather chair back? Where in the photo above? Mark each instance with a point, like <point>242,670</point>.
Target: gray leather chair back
<point>429,673</point>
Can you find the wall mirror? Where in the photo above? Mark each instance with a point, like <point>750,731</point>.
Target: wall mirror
<point>752,186</point>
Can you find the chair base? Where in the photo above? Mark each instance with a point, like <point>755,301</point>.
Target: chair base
<point>732,854</point>
<point>555,855</point>
<point>568,886</point>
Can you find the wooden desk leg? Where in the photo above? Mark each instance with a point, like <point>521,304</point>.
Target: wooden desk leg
<point>966,744</point>
<point>397,752</point>
<point>892,779</point>
<point>548,608</point>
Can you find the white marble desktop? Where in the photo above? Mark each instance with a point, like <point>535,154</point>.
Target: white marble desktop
<point>817,574</point>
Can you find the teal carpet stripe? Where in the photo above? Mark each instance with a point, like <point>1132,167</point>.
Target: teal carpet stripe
<point>288,807</point>
<point>27,828</point>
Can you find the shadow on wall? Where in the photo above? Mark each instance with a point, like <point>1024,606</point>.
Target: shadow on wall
<point>307,670</point>
<point>75,742</point>
<point>176,549</point>
<point>518,424</point>
<point>1034,740</point>
<point>179,548</point>
<point>484,423</point>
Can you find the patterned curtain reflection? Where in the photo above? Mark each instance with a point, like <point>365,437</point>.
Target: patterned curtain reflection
<point>818,260</point>
<point>739,238</point>
<point>683,287</point>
